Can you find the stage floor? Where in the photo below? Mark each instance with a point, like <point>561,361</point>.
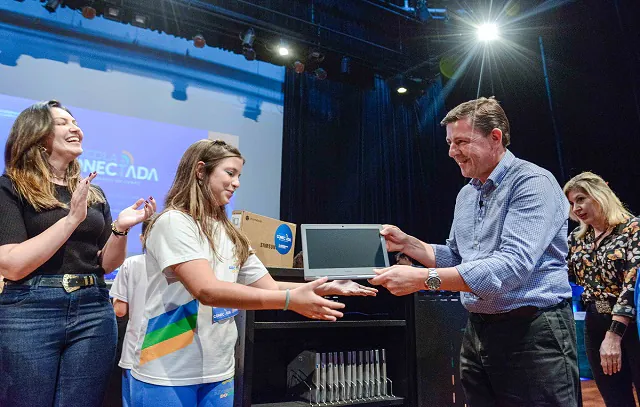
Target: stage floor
<point>590,394</point>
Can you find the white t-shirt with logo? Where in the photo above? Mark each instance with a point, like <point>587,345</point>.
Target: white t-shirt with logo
<point>181,341</point>
<point>130,286</point>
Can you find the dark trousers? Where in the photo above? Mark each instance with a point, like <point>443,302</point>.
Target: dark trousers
<point>617,389</point>
<point>521,361</point>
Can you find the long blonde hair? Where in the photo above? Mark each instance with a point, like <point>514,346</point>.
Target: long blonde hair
<point>593,185</point>
<point>26,159</point>
<point>193,196</point>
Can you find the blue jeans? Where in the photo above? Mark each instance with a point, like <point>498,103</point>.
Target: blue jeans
<point>56,349</point>
<point>217,394</point>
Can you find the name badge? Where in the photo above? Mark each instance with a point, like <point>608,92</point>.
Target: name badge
<point>222,314</point>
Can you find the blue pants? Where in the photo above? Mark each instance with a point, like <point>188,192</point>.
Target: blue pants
<point>56,349</point>
<point>127,396</point>
<point>218,394</point>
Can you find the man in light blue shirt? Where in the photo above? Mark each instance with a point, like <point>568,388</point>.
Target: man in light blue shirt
<point>506,253</point>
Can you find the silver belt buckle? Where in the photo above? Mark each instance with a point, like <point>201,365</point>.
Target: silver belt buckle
<point>603,307</point>
<point>66,280</point>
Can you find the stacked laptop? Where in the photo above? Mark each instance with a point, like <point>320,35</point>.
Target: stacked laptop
<point>335,377</point>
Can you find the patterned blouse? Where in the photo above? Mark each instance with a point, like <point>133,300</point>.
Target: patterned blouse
<point>609,271</point>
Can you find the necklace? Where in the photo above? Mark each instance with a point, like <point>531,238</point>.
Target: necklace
<point>58,178</point>
<point>600,235</point>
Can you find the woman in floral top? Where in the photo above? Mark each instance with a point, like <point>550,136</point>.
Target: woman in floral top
<point>604,254</point>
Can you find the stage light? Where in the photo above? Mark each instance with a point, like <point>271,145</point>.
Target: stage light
<point>88,12</point>
<point>249,54</point>
<point>112,13</point>
<point>52,5</point>
<point>140,20</point>
<point>321,74</point>
<point>401,90</point>
<point>345,66</point>
<point>298,67</point>
<point>487,32</point>
<point>248,37</point>
<point>283,50</point>
<point>315,57</point>
<point>199,41</point>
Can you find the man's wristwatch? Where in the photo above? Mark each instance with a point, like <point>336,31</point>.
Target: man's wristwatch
<point>433,282</point>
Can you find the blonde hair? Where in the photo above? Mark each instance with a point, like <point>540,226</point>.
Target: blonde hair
<point>193,197</point>
<point>26,159</point>
<point>594,186</point>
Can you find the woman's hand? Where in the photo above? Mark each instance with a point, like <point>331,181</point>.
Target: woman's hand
<point>611,353</point>
<point>131,216</point>
<point>345,287</point>
<point>78,204</point>
<point>306,302</point>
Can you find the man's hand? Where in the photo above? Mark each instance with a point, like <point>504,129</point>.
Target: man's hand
<point>396,239</point>
<point>400,280</point>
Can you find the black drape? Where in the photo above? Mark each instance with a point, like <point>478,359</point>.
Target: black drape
<point>354,155</point>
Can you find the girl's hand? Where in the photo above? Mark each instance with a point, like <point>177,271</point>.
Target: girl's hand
<point>306,302</point>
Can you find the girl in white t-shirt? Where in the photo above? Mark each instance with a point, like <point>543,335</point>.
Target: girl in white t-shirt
<point>200,270</point>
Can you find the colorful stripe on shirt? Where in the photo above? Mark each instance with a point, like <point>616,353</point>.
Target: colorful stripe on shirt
<point>169,332</point>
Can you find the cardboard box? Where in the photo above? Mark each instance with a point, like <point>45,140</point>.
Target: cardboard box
<point>271,239</point>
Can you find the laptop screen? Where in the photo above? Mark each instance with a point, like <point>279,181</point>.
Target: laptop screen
<point>342,251</point>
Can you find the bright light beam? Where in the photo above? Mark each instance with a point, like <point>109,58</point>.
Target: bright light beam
<point>487,32</point>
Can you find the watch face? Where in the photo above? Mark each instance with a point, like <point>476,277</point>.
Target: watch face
<point>433,283</point>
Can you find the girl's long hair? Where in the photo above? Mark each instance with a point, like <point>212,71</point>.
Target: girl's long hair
<point>193,197</point>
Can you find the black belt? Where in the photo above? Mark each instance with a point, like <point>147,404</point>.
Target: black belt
<point>522,313</point>
<point>70,282</point>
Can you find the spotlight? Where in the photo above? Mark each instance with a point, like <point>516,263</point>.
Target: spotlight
<point>487,32</point>
<point>298,67</point>
<point>88,12</point>
<point>249,53</point>
<point>112,13</point>
<point>321,74</point>
<point>140,20</point>
<point>52,5</point>
<point>283,50</point>
<point>400,83</point>
<point>315,56</point>
<point>248,37</point>
<point>199,41</point>
<point>345,66</point>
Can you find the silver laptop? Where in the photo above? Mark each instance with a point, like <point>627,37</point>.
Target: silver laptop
<point>343,252</point>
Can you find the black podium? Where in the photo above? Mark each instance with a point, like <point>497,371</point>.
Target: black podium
<point>440,320</point>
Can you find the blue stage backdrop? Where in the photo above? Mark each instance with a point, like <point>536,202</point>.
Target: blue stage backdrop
<point>141,98</point>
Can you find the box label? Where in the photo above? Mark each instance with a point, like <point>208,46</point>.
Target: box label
<point>283,239</point>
